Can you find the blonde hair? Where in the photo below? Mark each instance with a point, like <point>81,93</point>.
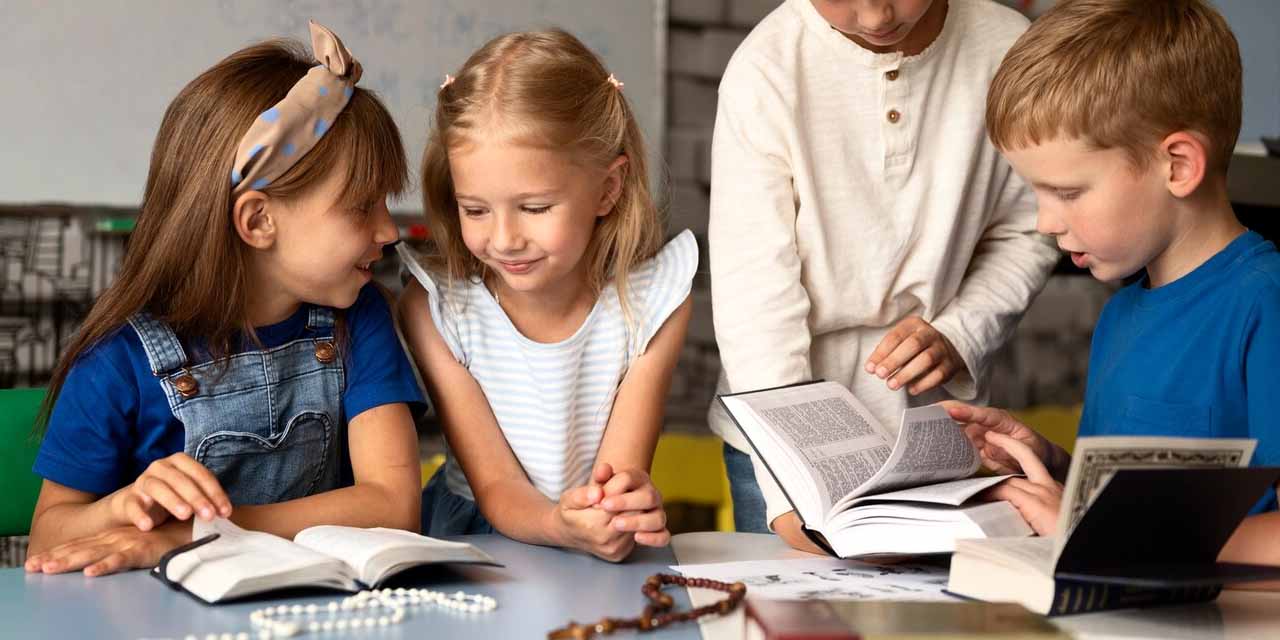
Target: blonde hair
<point>186,265</point>
<point>1121,74</point>
<point>547,89</point>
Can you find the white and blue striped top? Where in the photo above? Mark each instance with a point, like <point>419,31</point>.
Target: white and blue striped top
<point>553,401</point>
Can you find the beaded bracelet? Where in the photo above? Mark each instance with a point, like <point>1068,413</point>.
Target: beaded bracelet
<point>658,614</point>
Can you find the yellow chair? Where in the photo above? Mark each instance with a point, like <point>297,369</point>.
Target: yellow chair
<point>690,468</point>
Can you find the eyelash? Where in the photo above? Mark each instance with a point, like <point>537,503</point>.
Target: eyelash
<point>1065,195</point>
<point>477,211</point>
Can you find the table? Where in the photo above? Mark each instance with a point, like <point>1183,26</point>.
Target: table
<point>1236,614</point>
<point>539,589</point>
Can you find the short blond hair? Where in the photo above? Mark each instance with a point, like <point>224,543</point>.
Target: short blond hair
<point>1121,74</point>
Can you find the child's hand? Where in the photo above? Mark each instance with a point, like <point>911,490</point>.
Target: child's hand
<point>1039,496</point>
<point>175,485</point>
<point>585,526</point>
<point>118,549</point>
<point>636,506</point>
<point>979,421</point>
<point>915,353</point>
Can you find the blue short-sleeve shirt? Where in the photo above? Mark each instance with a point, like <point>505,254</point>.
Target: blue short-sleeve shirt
<point>1198,357</point>
<point>112,420</point>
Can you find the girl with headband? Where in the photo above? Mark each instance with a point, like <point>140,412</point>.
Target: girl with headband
<point>243,364</point>
<point>548,317</point>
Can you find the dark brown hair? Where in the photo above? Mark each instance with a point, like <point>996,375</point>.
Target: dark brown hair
<point>186,265</point>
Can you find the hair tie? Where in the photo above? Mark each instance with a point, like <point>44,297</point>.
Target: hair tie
<point>287,131</point>
<point>617,84</point>
<point>448,80</point>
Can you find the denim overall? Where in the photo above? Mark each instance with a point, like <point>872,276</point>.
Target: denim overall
<point>269,425</point>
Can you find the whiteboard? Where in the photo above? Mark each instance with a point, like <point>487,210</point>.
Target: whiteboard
<point>86,83</point>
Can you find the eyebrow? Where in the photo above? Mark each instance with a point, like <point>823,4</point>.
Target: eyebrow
<point>519,196</point>
<point>1058,187</point>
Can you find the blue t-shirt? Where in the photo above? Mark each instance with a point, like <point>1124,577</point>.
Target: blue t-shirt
<point>1198,357</point>
<point>112,420</point>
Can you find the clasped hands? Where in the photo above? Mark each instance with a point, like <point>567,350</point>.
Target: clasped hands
<point>612,513</point>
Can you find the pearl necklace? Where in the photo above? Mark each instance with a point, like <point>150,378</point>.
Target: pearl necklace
<point>286,621</point>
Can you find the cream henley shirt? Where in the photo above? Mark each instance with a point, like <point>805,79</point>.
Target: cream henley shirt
<point>852,189</point>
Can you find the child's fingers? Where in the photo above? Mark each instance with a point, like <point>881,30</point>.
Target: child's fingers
<point>77,557</point>
<point>581,497</point>
<point>601,473</point>
<point>919,364</point>
<point>135,511</point>
<point>931,380</point>
<point>654,520</point>
<point>887,344</point>
<point>653,538</point>
<point>642,499</point>
<point>624,481</point>
<point>164,495</point>
<point>1027,459</point>
<point>208,484</point>
<point>112,563</point>
<point>906,350</point>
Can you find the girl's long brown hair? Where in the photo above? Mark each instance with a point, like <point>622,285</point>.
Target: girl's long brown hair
<point>544,88</point>
<point>186,264</point>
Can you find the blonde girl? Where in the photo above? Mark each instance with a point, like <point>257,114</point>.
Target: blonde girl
<point>548,316</point>
<point>243,365</point>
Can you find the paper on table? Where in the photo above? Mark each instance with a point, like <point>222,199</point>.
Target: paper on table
<point>826,579</point>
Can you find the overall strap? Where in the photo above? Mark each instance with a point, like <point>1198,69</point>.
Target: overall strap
<point>320,318</point>
<point>164,350</point>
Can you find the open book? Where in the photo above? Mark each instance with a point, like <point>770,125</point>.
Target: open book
<point>857,488</point>
<point>1142,522</point>
<point>239,563</point>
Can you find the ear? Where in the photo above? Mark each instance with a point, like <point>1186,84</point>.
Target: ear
<point>615,177</point>
<point>1188,158</point>
<point>253,223</point>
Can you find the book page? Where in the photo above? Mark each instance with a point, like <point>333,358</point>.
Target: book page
<point>239,557</point>
<point>953,493</point>
<point>819,430</point>
<point>1097,458</point>
<point>371,552</point>
<point>931,447</point>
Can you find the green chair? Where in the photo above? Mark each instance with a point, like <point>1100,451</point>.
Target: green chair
<point>18,409</point>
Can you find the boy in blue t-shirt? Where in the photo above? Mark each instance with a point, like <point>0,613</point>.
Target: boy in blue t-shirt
<point>1123,114</point>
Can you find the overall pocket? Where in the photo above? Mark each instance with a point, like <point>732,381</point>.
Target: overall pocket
<point>286,466</point>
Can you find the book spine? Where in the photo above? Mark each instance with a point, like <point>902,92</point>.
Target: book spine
<point>1071,596</point>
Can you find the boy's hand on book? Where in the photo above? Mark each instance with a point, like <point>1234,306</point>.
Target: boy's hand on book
<point>914,353</point>
<point>979,421</point>
<point>176,485</point>
<point>1038,496</point>
<point>636,506</point>
<point>113,550</point>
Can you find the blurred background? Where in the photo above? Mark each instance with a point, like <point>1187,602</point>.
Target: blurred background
<point>86,85</point>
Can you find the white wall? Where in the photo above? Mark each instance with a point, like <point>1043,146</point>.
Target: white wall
<point>85,84</point>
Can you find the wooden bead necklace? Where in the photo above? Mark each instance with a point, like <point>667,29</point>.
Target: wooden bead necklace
<point>658,613</point>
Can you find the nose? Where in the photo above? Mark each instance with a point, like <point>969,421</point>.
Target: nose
<point>875,15</point>
<point>506,237</point>
<point>1049,222</point>
<point>384,228</point>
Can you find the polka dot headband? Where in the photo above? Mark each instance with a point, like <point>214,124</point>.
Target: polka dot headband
<point>287,131</point>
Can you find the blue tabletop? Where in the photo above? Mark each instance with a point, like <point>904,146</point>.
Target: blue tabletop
<point>538,589</point>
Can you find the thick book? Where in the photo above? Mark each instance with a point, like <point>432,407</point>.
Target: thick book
<point>1142,522</point>
<point>858,489</point>
<point>886,620</point>
<point>226,562</point>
